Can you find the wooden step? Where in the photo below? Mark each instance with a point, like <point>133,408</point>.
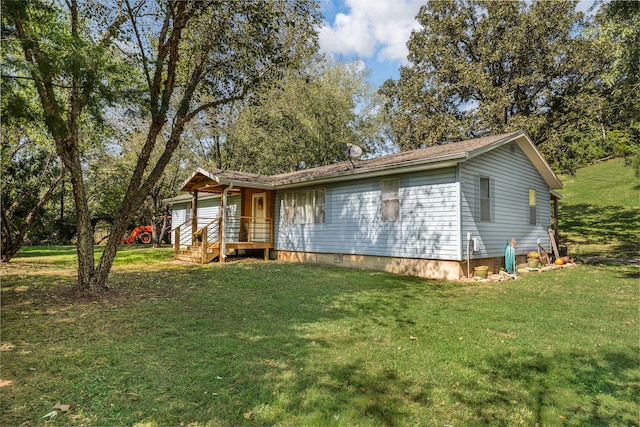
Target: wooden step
<point>196,255</point>
<point>210,249</point>
<point>188,258</point>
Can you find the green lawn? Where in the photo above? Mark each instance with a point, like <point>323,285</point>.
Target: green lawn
<point>269,343</point>
<point>600,211</point>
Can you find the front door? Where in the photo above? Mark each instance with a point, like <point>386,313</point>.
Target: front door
<point>259,225</point>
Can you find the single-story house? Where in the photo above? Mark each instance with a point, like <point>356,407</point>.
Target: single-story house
<point>432,212</point>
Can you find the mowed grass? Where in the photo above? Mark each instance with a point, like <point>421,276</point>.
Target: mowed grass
<point>269,343</point>
<point>600,211</point>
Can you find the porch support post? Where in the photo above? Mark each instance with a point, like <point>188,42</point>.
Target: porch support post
<point>194,215</point>
<point>223,223</point>
<point>555,218</point>
<point>205,243</point>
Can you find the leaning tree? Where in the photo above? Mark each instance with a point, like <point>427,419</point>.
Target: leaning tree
<point>169,60</point>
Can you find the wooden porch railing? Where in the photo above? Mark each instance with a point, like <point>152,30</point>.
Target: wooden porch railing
<point>240,229</point>
<point>181,235</point>
<point>236,230</point>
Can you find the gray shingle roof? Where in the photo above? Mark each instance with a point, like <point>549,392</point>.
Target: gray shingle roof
<point>437,154</point>
<point>426,155</point>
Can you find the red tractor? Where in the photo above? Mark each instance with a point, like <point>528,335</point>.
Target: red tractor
<point>141,234</point>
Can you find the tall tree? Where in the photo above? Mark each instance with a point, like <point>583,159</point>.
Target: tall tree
<point>303,122</point>
<point>190,56</point>
<point>30,174</point>
<point>30,171</point>
<point>618,31</point>
<point>479,67</point>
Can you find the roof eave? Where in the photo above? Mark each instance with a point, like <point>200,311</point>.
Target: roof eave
<point>220,180</point>
<point>528,147</point>
<point>538,161</point>
<point>242,183</point>
<point>367,172</point>
<point>200,171</point>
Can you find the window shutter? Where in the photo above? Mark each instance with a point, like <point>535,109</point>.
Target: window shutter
<point>476,196</point>
<point>533,207</point>
<point>492,196</point>
<point>486,198</point>
<point>321,196</point>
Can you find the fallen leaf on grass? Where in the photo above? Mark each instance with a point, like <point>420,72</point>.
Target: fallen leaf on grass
<point>63,408</point>
<point>247,415</point>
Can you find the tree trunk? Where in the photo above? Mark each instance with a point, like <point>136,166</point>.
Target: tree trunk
<point>135,196</point>
<point>84,246</point>
<point>9,246</point>
<point>156,234</point>
<point>158,216</point>
<point>12,244</point>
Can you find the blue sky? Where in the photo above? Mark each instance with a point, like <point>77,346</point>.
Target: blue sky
<point>374,32</point>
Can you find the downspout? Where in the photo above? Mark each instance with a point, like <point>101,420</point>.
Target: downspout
<point>223,244</point>
<point>468,256</point>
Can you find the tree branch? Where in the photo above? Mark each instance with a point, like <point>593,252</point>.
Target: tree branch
<point>7,76</point>
<point>145,61</point>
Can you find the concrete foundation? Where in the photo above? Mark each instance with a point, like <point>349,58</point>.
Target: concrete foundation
<point>427,268</point>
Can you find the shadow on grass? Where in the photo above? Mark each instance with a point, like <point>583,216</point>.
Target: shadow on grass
<point>565,388</point>
<point>258,343</point>
<point>631,273</point>
<point>615,225</point>
<point>39,251</point>
<point>219,345</point>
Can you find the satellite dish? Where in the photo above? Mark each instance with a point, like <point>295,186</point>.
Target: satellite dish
<point>352,151</point>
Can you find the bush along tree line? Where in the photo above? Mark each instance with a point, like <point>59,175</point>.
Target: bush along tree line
<point>108,106</point>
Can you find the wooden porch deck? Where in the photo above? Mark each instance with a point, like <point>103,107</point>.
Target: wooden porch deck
<point>205,244</point>
<point>196,254</point>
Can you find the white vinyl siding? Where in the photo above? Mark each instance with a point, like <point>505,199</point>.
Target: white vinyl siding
<point>180,212</point>
<point>427,225</point>
<point>208,210</point>
<point>512,175</point>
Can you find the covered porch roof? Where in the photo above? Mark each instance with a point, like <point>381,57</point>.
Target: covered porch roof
<point>216,180</point>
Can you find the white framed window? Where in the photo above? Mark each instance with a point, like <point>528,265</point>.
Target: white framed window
<point>304,207</point>
<point>390,199</point>
<point>533,211</point>
<point>485,198</point>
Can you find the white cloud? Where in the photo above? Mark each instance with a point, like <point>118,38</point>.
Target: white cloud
<point>370,26</point>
